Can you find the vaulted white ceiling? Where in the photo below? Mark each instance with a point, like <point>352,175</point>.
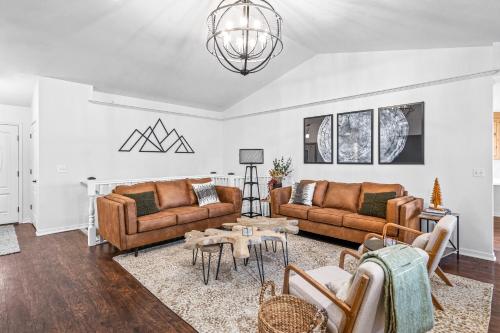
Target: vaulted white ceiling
<point>156,48</point>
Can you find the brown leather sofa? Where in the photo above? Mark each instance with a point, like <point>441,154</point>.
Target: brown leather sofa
<point>335,210</point>
<point>179,212</point>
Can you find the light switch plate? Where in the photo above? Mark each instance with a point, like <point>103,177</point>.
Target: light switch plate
<point>61,168</point>
<point>478,172</point>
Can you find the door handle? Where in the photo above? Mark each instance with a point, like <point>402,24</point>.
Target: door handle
<point>35,181</point>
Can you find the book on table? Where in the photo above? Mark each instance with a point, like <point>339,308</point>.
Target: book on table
<point>437,212</point>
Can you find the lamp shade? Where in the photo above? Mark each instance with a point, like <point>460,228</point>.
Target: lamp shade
<point>251,156</point>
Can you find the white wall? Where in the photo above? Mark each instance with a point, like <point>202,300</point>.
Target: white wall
<point>496,163</point>
<point>457,117</point>
<point>21,116</point>
<point>85,138</point>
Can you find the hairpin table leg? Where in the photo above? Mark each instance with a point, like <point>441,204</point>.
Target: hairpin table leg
<point>206,278</point>
<point>221,246</point>
<point>260,263</point>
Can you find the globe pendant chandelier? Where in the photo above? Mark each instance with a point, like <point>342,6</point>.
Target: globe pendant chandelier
<point>244,35</point>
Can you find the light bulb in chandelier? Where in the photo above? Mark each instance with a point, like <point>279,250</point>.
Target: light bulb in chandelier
<point>250,44</point>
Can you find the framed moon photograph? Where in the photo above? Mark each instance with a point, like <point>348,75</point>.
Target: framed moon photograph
<point>401,134</point>
<point>318,139</point>
<point>355,137</point>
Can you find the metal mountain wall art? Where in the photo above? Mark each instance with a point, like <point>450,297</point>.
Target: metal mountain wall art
<point>157,139</point>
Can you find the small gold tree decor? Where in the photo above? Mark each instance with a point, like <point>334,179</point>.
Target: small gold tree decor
<point>436,198</point>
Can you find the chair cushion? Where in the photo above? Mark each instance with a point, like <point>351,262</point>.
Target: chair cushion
<point>173,193</point>
<point>297,211</point>
<point>137,188</point>
<point>342,196</point>
<point>324,275</point>
<point>319,191</point>
<point>328,216</point>
<point>156,221</point>
<point>363,222</point>
<point>367,187</point>
<point>192,196</point>
<point>189,214</point>
<point>220,209</point>
<point>447,225</point>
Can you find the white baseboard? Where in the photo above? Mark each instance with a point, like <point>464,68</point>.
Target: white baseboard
<point>26,220</point>
<point>478,254</point>
<point>496,214</point>
<point>48,231</point>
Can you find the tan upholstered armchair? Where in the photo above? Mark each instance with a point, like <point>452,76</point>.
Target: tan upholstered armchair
<point>434,243</point>
<point>361,312</point>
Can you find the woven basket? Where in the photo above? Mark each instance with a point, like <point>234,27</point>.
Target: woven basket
<point>288,314</point>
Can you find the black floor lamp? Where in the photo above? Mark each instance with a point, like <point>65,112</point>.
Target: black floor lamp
<point>250,157</point>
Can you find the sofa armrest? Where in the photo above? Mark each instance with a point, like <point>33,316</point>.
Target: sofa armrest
<point>394,206</point>
<point>408,217</point>
<point>130,211</point>
<point>111,215</point>
<point>230,195</point>
<point>279,196</point>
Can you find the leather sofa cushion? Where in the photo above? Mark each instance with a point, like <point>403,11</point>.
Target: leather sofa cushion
<point>137,188</point>
<point>319,191</point>
<point>156,221</point>
<point>297,211</point>
<point>219,209</point>
<point>342,196</point>
<point>365,223</point>
<point>328,216</point>
<point>192,196</point>
<point>189,214</point>
<point>367,187</point>
<point>173,193</point>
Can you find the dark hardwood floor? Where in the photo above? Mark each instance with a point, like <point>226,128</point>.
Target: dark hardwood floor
<point>58,284</point>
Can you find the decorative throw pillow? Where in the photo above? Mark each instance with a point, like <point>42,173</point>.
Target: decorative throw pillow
<point>340,288</point>
<point>145,202</point>
<point>375,204</point>
<point>206,193</point>
<point>421,241</point>
<point>302,194</point>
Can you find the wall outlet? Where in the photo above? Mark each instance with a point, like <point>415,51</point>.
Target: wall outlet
<point>61,168</point>
<point>478,172</point>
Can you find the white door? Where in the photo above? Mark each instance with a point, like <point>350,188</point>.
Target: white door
<point>34,174</point>
<point>9,174</point>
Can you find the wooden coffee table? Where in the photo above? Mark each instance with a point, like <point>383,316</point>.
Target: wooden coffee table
<point>280,225</point>
<point>240,245</point>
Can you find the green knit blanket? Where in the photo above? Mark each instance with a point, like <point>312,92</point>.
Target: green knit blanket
<point>408,302</point>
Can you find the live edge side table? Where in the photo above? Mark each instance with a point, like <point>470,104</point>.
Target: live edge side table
<point>432,220</point>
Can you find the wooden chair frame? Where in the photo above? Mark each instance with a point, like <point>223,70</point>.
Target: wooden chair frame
<point>351,311</point>
<point>432,254</point>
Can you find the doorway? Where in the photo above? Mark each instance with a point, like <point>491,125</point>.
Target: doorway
<point>9,174</point>
<point>34,173</point>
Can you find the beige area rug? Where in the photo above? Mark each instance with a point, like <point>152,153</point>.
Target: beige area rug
<point>230,304</point>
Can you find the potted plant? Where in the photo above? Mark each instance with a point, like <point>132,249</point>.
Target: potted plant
<point>281,168</point>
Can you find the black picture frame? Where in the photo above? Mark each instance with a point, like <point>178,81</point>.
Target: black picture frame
<point>313,124</point>
<point>413,150</point>
<point>339,133</point>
